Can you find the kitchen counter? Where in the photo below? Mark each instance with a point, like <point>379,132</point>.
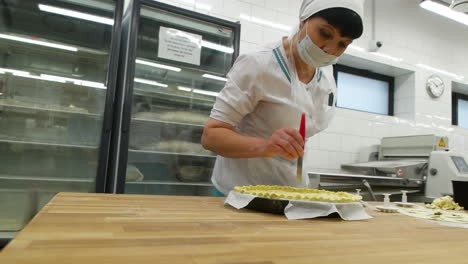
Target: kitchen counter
<point>105,228</point>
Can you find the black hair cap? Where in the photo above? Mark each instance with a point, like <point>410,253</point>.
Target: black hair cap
<point>348,22</point>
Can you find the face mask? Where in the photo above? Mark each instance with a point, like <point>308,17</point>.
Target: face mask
<point>313,55</point>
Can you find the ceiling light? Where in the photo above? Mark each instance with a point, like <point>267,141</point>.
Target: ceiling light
<point>215,46</point>
<point>264,22</point>
<point>205,92</point>
<point>38,42</point>
<point>144,81</point>
<point>75,81</point>
<point>445,11</point>
<point>4,70</point>
<point>185,89</point>
<point>458,77</point>
<point>214,77</point>
<point>54,77</point>
<point>157,65</point>
<point>92,84</point>
<point>37,77</point>
<point>198,91</point>
<point>387,56</point>
<point>76,14</point>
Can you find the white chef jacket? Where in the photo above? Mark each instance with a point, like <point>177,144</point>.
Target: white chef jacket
<point>257,100</point>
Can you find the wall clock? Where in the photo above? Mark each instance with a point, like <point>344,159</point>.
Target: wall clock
<point>435,86</point>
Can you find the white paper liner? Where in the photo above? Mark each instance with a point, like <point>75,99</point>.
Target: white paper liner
<point>449,224</point>
<point>298,209</point>
<point>443,222</point>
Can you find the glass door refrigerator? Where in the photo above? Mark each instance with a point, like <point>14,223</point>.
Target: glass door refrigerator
<point>180,60</point>
<point>55,81</point>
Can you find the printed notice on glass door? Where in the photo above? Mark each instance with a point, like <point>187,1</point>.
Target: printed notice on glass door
<point>180,46</point>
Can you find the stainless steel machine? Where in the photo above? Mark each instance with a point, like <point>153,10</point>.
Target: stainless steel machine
<point>423,165</point>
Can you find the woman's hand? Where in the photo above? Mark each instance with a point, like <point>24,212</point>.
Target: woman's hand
<point>223,139</point>
<point>286,142</point>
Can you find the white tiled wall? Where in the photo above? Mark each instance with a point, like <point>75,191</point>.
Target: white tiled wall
<point>408,32</point>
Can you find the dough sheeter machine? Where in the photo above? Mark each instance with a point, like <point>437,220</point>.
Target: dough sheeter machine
<point>423,165</point>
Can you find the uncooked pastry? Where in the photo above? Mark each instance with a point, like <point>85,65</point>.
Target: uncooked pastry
<point>445,203</point>
<point>407,205</point>
<point>291,193</point>
<point>436,214</point>
<point>387,209</point>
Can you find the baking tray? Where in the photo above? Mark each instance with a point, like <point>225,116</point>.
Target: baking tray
<point>275,206</point>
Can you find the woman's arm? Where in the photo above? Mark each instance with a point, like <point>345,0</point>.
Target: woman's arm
<point>221,138</point>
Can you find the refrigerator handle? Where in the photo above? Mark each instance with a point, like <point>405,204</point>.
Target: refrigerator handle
<point>108,118</point>
<point>117,168</point>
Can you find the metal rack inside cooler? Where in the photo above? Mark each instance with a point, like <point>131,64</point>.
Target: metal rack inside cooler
<point>172,100</point>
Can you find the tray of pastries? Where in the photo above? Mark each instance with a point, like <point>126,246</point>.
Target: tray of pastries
<point>274,199</point>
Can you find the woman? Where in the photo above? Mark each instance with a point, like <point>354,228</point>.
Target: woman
<point>253,124</point>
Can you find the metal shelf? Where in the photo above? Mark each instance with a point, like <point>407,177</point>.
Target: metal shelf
<point>205,184</point>
<point>46,179</point>
<point>66,82</point>
<point>51,110</point>
<point>48,144</point>
<point>174,95</point>
<point>168,122</point>
<point>171,153</point>
<point>81,52</point>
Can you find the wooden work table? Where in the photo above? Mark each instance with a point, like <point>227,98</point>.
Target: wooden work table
<point>102,228</point>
